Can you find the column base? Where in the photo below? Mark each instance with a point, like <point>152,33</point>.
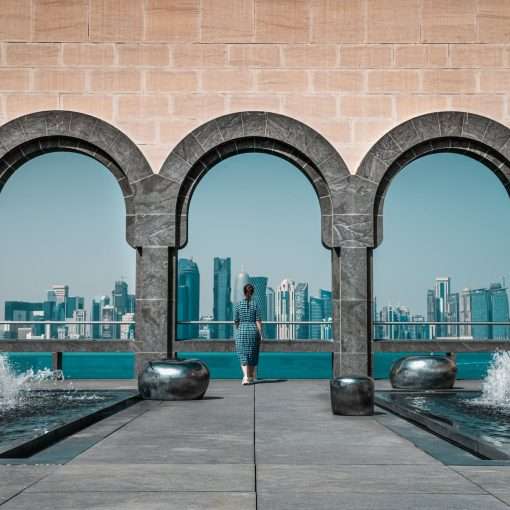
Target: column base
<point>349,363</point>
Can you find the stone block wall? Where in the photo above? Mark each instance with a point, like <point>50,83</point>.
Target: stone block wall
<point>350,69</point>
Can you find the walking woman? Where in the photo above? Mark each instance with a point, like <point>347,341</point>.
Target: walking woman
<point>247,333</point>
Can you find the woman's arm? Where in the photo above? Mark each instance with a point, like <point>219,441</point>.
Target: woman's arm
<point>259,327</point>
<point>258,320</point>
<point>236,316</point>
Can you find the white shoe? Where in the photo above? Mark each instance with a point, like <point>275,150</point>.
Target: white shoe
<point>245,381</point>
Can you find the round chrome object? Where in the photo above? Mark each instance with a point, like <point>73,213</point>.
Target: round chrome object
<point>172,379</point>
<point>423,373</point>
<point>352,395</point>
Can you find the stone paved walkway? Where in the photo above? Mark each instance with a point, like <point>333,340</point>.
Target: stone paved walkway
<point>270,446</point>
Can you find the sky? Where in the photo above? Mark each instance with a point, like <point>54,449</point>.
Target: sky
<point>62,221</point>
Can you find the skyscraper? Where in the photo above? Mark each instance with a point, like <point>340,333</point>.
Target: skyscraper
<point>61,292</point>
<point>465,312</point>
<point>19,311</point>
<point>431,311</point>
<point>77,331</point>
<point>260,286</point>
<point>441,293</point>
<point>188,277</point>
<point>108,315</point>
<point>286,309</point>
<point>481,311</point>
<point>453,313</point>
<point>96,316</point>
<point>327,297</point>
<point>302,310</point>
<point>499,309</point>
<point>73,303</point>
<point>270,329</point>
<point>316,313</point>
<point>388,314</point>
<point>120,298</point>
<point>222,304</point>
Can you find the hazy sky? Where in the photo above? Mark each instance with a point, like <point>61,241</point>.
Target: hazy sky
<point>264,214</point>
<point>62,221</point>
<point>444,215</point>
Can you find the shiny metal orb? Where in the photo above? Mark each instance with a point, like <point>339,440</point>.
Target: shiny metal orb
<point>173,379</point>
<point>352,395</point>
<point>423,373</point>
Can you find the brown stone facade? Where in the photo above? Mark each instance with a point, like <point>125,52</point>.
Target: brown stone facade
<point>350,69</point>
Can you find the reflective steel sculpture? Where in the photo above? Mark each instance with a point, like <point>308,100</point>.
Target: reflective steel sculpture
<point>352,395</point>
<point>423,373</point>
<point>173,379</point>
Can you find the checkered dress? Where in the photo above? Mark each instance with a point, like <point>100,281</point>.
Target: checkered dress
<point>246,336</point>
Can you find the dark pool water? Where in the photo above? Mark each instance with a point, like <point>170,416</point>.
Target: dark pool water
<point>46,410</point>
<point>463,410</point>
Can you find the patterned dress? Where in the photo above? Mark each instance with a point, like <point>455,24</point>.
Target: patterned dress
<point>246,336</point>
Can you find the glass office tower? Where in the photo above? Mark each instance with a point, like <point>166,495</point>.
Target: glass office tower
<point>189,278</point>
<point>270,329</point>
<point>480,311</point>
<point>222,304</point>
<point>499,308</point>
<point>302,310</point>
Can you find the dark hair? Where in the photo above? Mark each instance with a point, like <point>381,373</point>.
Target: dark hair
<point>248,286</point>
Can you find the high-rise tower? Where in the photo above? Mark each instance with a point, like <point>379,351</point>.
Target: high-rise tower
<point>222,304</point>
<point>499,308</point>
<point>260,286</point>
<point>188,290</point>
<point>286,309</point>
<point>302,310</point>
<point>441,293</point>
<point>270,329</point>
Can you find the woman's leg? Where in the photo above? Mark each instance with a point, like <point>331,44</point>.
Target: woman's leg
<point>244,368</point>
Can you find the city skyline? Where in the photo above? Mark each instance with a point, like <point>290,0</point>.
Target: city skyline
<point>89,246</point>
<point>484,304</point>
<point>287,301</point>
<point>59,306</point>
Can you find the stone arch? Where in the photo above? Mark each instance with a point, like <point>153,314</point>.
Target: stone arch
<point>266,132</point>
<point>473,135</point>
<point>340,195</point>
<point>34,134</point>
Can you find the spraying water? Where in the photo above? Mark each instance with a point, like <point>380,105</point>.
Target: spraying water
<point>15,388</point>
<point>496,385</point>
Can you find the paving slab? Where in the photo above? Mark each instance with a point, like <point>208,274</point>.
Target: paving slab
<point>494,479</point>
<point>356,501</point>
<point>134,501</point>
<point>174,448</point>
<point>400,479</point>
<point>148,477</point>
<point>15,478</point>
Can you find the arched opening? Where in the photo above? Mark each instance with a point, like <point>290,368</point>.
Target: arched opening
<point>276,135</point>
<point>254,218</point>
<point>65,259</point>
<point>25,143</point>
<point>445,201</point>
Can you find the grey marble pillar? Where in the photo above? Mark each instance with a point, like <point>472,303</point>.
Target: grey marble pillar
<point>155,302</point>
<point>352,268</point>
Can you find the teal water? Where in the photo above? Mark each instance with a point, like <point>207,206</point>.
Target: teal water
<point>225,365</point>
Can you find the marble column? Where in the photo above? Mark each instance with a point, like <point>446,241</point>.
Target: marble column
<point>155,302</point>
<point>352,268</point>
